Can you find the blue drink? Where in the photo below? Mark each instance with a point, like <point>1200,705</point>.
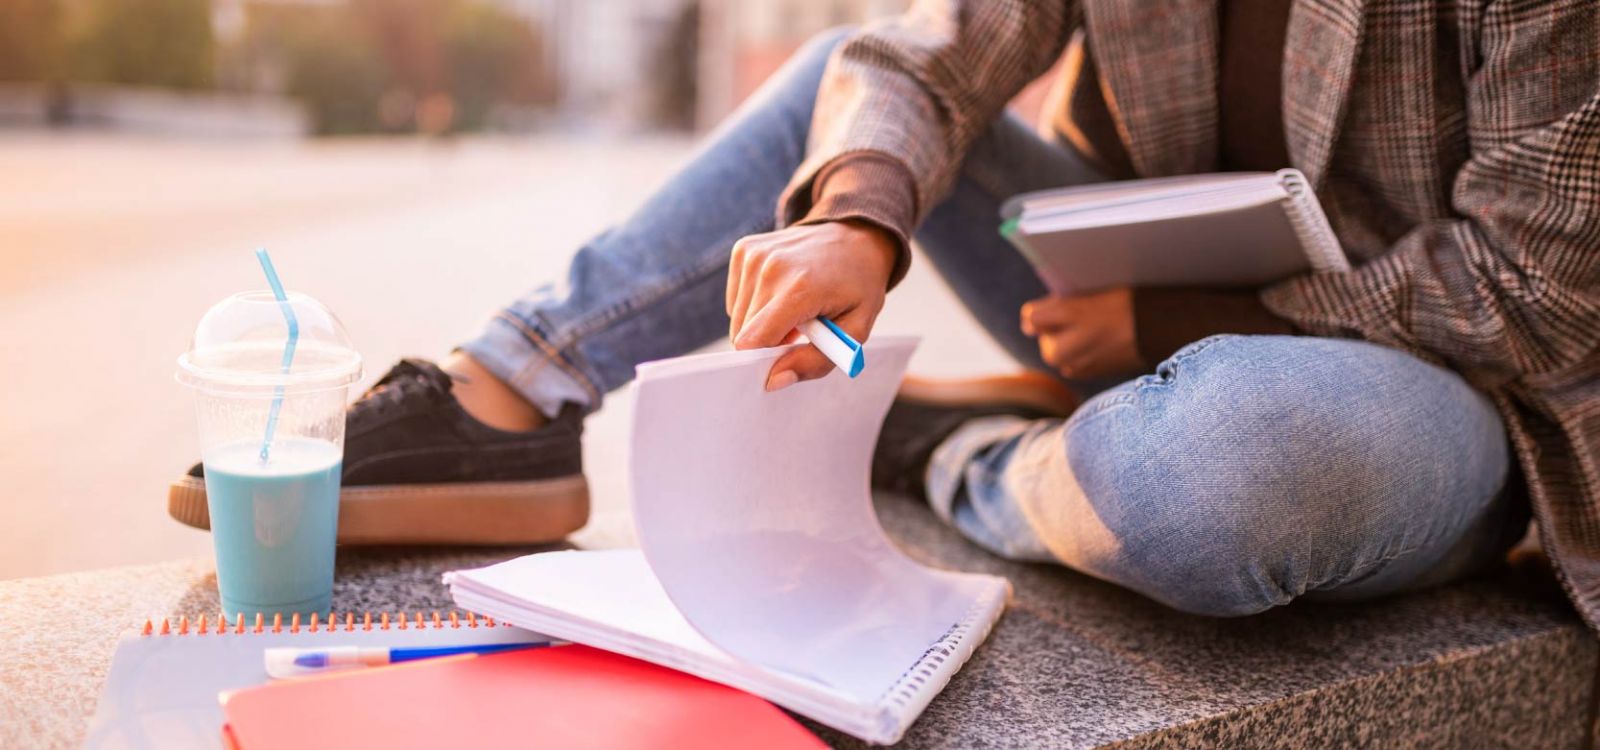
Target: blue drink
<point>274,524</point>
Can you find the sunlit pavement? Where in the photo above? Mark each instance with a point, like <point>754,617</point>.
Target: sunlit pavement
<point>111,248</point>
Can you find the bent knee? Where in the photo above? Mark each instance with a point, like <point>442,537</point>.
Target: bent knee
<point>1287,421</point>
<point>1228,551</point>
<point>1250,470</point>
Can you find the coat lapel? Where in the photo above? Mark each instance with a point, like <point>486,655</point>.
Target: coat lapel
<point>1158,63</point>
<point>1322,42</point>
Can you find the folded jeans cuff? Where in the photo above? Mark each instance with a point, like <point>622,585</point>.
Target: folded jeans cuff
<point>514,352</point>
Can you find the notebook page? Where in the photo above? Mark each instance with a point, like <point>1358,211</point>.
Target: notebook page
<point>755,514</point>
<point>604,589</point>
<point>609,599</point>
<point>1155,207</point>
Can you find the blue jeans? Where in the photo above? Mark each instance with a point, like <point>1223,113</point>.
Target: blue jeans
<point>1246,472</point>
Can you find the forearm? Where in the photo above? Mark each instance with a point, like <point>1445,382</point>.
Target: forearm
<point>1505,285</point>
<point>919,88</point>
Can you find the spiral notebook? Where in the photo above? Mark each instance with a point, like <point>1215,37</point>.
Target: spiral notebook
<point>1233,229</point>
<point>761,562</point>
<point>162,691</point>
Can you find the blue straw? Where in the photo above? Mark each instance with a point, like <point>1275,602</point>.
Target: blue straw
<point>288,347</point>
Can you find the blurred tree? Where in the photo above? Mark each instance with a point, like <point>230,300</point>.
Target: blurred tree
<point>30,40</point>
<point>143,42</point>
<point>360,66</point>
<point>334,66</point>
<point>390,66</point>
<point>409,36</point>
<point>494,57</point>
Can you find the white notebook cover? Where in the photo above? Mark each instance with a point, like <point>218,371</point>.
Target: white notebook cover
<point>1224,230</point>
<point>762,563</point>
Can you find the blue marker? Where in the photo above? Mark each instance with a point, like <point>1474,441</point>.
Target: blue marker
<point>298,662</point>
<point>828,337</point>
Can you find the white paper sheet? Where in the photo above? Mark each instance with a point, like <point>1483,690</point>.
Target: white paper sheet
<point>755,514</point>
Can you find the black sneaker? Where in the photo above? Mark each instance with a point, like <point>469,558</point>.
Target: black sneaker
<point>925,412</point>
<point>419,470</point>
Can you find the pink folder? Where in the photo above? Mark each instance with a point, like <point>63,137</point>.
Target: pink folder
<point>567,697</point>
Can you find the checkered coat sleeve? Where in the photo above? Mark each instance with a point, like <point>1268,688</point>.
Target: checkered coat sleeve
<point>922,86</point>
<point>1463,178</point>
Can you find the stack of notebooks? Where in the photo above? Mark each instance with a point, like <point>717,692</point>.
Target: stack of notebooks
<point>203,684</point>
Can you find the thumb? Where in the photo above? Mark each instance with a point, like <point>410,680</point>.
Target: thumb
<point>801,363</point>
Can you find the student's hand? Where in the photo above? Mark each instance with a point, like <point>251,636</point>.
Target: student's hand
<point>1086,336</point>
<point>778,280</point>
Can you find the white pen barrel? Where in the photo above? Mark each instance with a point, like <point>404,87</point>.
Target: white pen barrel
<point>836,349</point>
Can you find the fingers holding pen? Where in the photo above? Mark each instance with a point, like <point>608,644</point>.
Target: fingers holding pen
<point>779,280</point>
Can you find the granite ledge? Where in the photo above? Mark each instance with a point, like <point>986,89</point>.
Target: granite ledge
<point>1075,663</point>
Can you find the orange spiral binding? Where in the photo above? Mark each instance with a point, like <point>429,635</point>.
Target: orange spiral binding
<point>240,626</point>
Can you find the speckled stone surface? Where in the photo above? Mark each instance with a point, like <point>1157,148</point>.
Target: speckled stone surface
<point>1074,663</point>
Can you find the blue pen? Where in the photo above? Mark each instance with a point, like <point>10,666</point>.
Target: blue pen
<point>845,351</point>
<point>296,662</point>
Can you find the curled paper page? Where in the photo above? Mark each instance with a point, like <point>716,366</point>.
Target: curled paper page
<point>755,514</point>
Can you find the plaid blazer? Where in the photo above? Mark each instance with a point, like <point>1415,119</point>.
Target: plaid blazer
<point>1455,145</point>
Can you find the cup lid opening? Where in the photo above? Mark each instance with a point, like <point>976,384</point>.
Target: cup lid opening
<point>239,345</point>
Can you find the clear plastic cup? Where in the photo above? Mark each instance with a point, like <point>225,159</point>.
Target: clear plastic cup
<point>274,515</point>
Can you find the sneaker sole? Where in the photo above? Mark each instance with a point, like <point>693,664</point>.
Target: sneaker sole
<point>1034,390</point>
<point>474,513</point>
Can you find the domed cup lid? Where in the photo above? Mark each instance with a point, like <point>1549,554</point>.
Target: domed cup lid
<point>238,348</point>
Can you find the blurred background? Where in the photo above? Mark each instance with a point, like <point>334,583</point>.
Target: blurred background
<point>414,164</point>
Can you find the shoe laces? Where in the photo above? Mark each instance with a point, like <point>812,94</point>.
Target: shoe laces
<point>409,382</point>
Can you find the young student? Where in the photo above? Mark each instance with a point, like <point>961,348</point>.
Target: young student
<point>1338,435</point>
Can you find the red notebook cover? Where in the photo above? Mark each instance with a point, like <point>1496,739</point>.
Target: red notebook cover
<point>566,697</point>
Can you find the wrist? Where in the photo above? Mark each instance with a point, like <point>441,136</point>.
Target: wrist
<point>868,190</point>
<point>876,243</point>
